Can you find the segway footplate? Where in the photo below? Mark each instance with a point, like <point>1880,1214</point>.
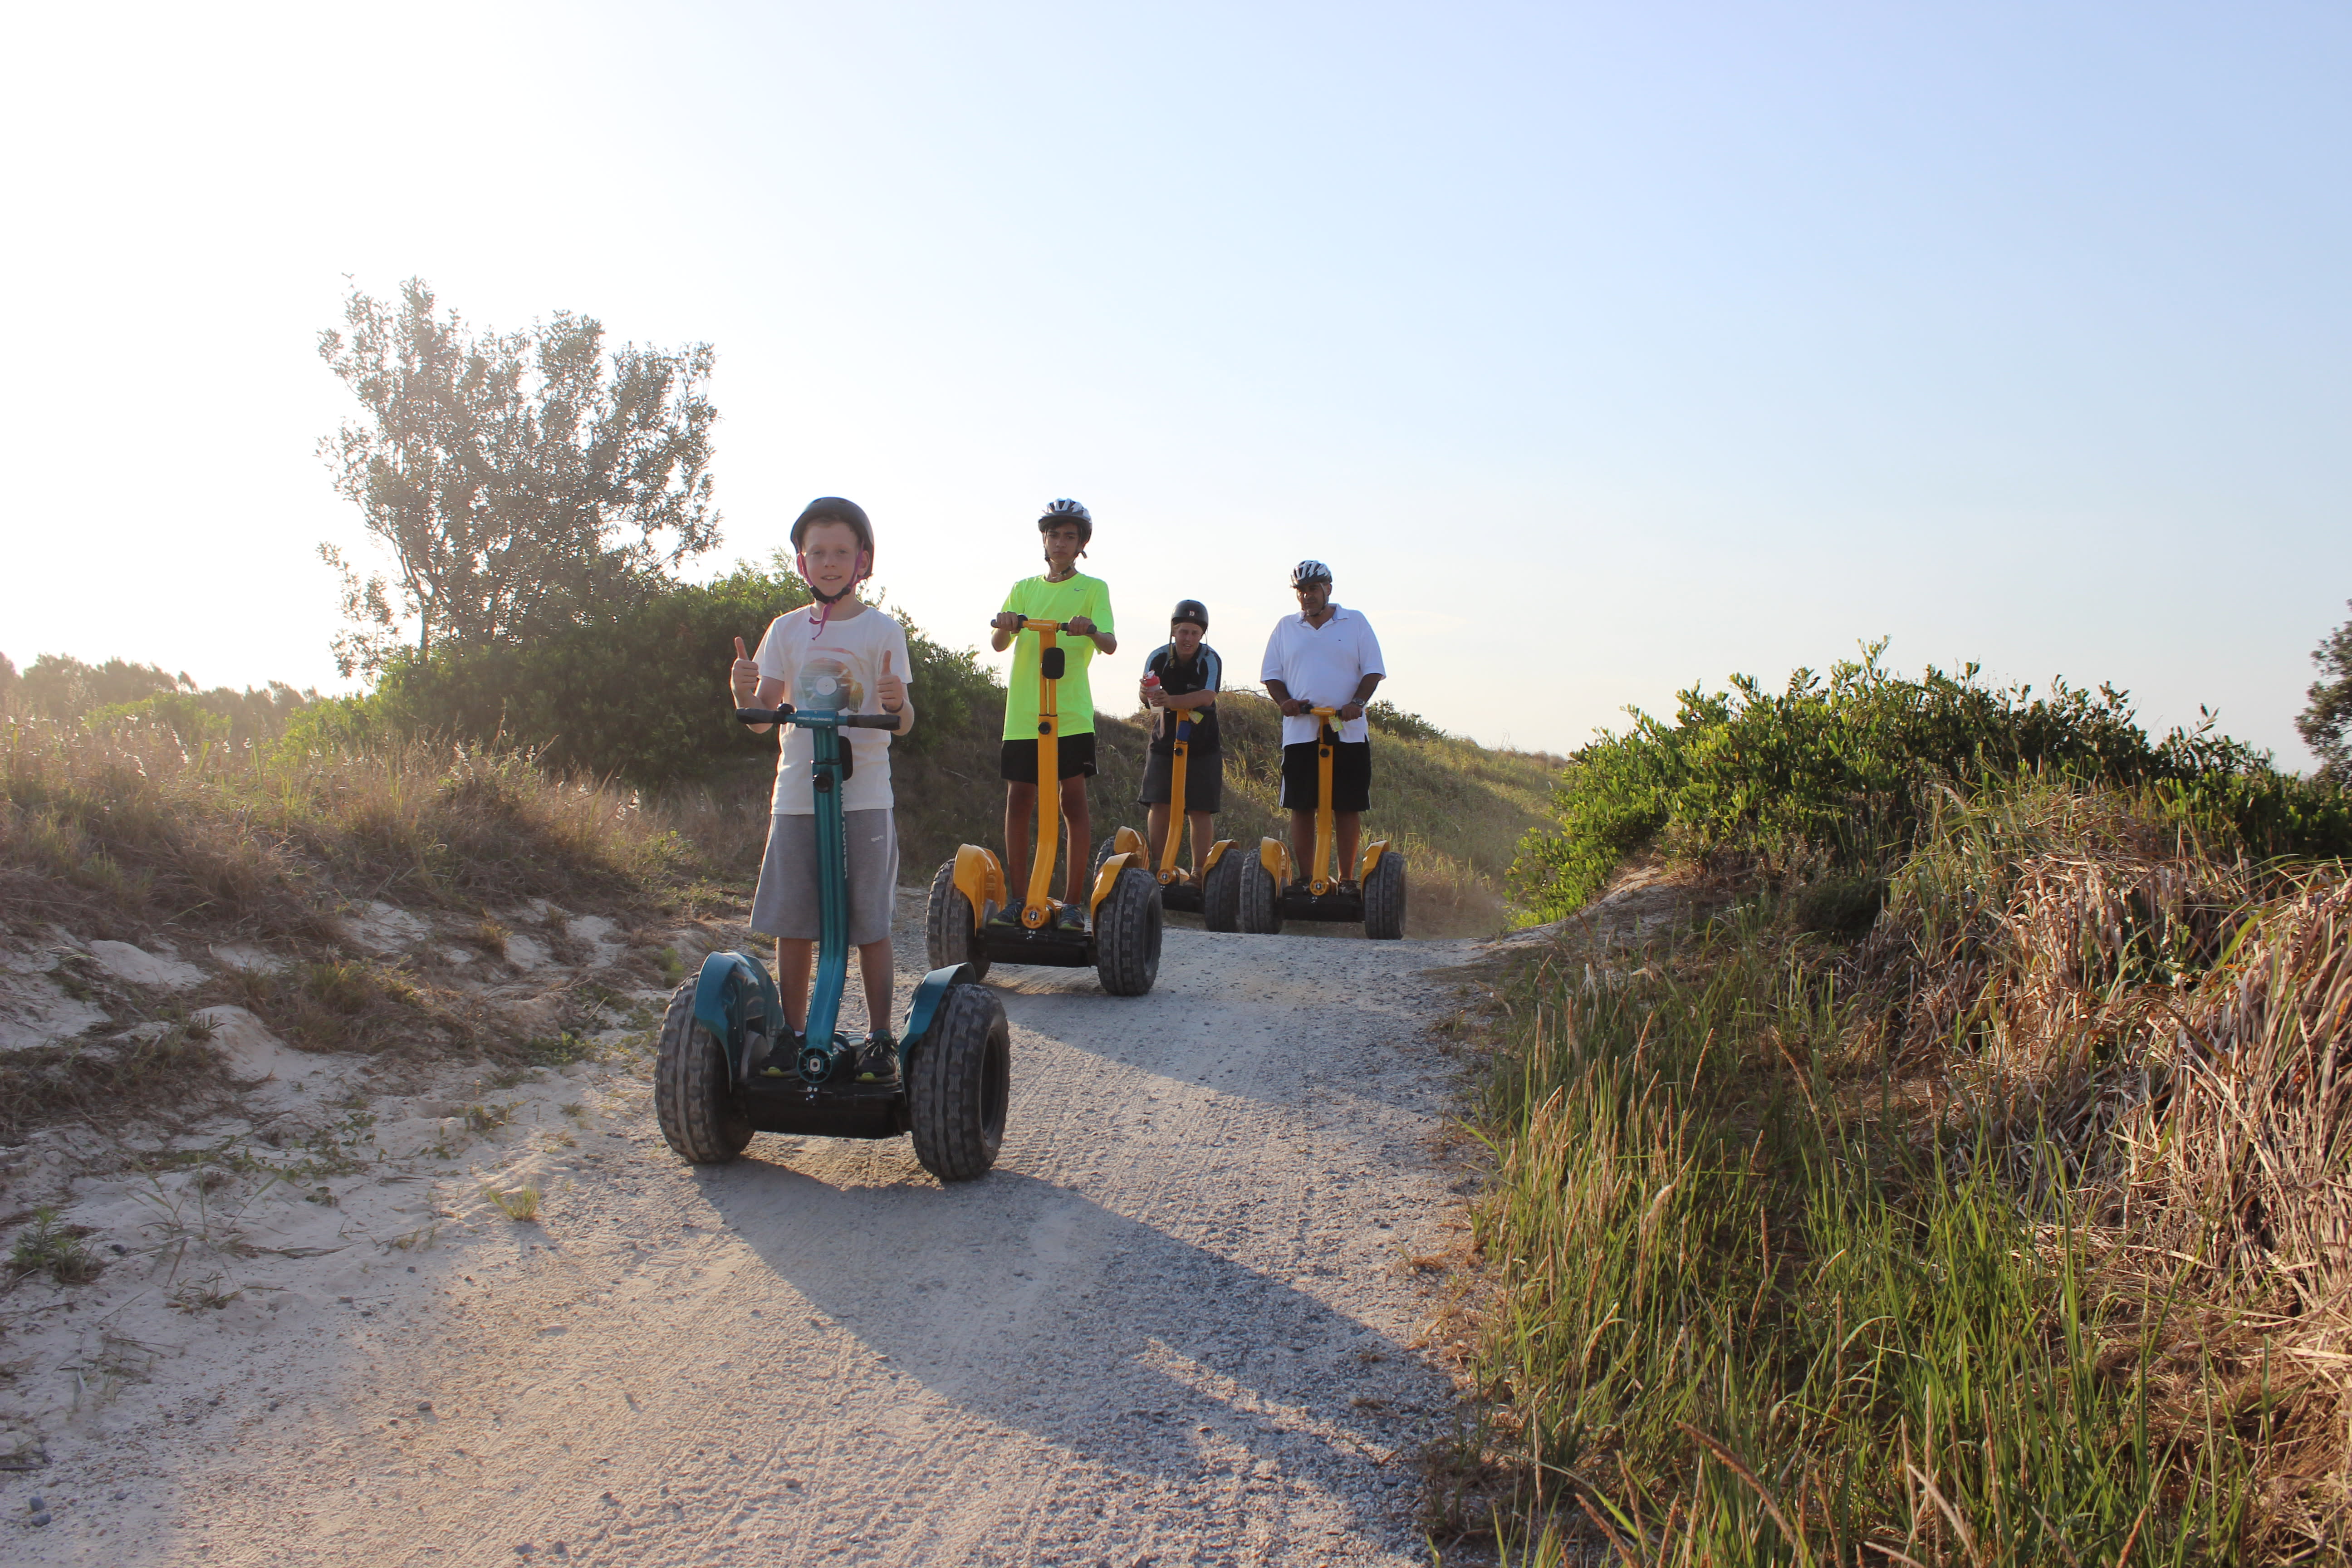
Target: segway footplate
<point>1297,904</point>
<point>786,1104</point>
<point>1019,944</point>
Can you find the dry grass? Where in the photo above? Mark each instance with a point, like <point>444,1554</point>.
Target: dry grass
<point>522,1205</point>
<point>2014,1233</point>
<point>123,824</point>
<point>120,832</point>
<point>2160,1037</point>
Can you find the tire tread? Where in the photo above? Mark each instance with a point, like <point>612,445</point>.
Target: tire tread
<point>958,1122</point>
<point>1128,935</point>
<point>1258,902</point>
<point>692,1099</point>
<point>1384,899</point>
<point>946,916</point>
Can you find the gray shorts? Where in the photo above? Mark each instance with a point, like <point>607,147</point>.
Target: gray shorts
<point>785,904</point>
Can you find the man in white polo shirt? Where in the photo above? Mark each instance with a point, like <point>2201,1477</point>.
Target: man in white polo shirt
<point>1323,656</point>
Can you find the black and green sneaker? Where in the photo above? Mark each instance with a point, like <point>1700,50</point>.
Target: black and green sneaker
<point>878,1058</point>
<point>1070,918</point>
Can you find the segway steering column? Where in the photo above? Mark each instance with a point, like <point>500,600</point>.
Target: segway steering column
<point>824,1054</point>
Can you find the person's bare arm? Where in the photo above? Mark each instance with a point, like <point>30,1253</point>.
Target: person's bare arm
<point>1008,627</point>
<point>1084,626</point>
<point>891,691</point>
<point>768,694</point>
<point>1291,707</point>
<point>749,688</point>
<point>1364,689</point>
<point>1189,699</point>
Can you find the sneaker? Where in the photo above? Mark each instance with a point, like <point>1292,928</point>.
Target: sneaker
<point>1070,918</point>
<point>771,1063</point>
<point>877,1059</point>
<point>1008,916</point>
<point>1350,889</point>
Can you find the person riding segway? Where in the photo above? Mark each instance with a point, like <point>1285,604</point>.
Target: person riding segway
<point>1321,666</point>
<point>1113,922</point>
<point>1182,680</point>
<point>737,1054</point>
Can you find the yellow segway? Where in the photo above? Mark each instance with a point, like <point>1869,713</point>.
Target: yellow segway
<point>1269,891</point>
<point>1214,894</point>
<point>1122,936</point>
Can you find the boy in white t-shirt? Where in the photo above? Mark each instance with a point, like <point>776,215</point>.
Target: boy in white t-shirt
<point>840,654</point>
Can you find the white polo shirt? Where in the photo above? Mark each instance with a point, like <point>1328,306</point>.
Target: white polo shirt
<point>1321,666</point>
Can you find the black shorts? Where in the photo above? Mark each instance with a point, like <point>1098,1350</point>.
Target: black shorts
<point>1073,756</point>
<point>1205,779</point>
<point>1351,776</point>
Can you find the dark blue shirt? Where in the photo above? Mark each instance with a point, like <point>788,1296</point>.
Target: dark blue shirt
<point>1178,678</point>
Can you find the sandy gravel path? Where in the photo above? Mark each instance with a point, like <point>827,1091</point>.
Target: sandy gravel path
<point>1173,1325</point>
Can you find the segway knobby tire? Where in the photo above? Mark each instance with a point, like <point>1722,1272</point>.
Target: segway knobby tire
<point>1259,903</point>
<point>1127,934</point>
<point>957,1083</point>
<point>1221,894</point>
<point>1384,899</point>
<point>950,936</point>
<point>1102,851</point>
<point>692,1099</point>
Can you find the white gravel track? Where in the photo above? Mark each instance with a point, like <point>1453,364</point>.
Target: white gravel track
<point>1172,1326</point>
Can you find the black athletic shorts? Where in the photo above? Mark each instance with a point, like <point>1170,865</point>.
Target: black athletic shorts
<point>1205,779</point>
<point>1351,776</point>
<point>1074,755</point>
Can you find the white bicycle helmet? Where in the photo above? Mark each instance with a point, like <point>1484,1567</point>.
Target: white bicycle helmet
<point>1310,570</point>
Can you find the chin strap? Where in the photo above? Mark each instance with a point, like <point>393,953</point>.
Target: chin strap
<point>826,602</point>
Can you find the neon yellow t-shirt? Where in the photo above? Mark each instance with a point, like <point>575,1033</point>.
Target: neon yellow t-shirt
<point>1042,601</point>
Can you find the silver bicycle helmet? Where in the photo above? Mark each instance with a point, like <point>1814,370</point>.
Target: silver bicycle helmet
<point>1310,570</point>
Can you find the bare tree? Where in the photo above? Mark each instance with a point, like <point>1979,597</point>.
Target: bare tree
<point>517,479</point>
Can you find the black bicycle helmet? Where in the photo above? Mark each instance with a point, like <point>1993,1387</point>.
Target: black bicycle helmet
<point>1068,511</point>
<point>1190,610</point>
<point>834,509</point>
<point>1310,570</point>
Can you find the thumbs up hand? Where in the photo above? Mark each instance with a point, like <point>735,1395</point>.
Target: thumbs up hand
<point>890,688</point>
<point>743,676</point>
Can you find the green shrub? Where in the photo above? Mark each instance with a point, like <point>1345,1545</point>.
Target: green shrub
<point>181,712</point>
<point>62,687</point>
<point>1845,769</point>
<point>640,696</point>
<point>1391,720</point>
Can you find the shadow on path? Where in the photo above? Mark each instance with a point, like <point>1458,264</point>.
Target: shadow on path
<point>1036,1309</point>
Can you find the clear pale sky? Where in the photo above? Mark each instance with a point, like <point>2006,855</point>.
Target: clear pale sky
<point>1599,349</point>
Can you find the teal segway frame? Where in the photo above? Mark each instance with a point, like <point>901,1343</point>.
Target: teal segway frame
<point>729,1066</point>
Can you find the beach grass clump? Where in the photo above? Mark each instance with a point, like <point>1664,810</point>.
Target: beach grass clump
<point>122,821</point>
<point>2010,1232</point>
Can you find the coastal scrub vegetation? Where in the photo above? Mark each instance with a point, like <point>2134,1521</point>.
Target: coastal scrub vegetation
<point>1846,770</point>
<point>1964,1182</point>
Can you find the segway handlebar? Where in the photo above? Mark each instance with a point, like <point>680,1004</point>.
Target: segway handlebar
<point>787,714</point>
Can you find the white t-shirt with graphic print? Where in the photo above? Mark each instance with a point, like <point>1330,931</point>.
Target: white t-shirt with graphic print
<point>838,666</point>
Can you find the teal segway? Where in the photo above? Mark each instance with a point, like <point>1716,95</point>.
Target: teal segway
<point>729,1066</point>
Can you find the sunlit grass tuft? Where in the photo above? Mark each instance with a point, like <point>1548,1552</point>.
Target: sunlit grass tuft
<point>2013,1233</point>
